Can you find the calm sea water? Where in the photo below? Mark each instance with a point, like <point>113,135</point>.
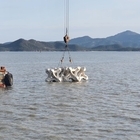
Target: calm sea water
<point>106,107</point>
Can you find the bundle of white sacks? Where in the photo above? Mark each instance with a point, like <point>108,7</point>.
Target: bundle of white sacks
<point>66,74</point>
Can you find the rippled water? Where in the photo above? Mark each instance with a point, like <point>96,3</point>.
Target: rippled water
<point>106,107</point>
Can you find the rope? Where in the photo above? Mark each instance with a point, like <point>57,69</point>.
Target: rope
<point>66,17</point>
<point>66,31</point>
<point>63,56</point>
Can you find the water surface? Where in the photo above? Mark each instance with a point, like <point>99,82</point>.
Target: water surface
<point>106,107</point>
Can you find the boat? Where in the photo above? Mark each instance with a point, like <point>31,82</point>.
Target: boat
<point>6,78</point>
<point>66,74</point>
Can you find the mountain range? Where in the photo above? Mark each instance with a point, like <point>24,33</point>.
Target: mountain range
<point>124,41</point>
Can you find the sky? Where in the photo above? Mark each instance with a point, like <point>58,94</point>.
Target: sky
<point>44,20</point>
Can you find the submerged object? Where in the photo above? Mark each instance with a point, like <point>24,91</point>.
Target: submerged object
<point>66,74</point>
<point>6,78</point>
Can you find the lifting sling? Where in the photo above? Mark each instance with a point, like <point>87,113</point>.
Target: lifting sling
<point>66,30</point>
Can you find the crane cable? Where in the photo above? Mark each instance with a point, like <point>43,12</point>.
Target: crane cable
<point>66,17</point>
<point>66,30</point>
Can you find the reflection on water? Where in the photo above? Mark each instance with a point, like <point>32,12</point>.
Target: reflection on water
<point>105,107</point>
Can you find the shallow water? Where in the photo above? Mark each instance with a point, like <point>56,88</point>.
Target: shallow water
<point>106,107</point>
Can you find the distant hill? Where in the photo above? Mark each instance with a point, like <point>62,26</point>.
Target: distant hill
<point>124,41</point>
<point>127,39</point>
<point>126,36</point>
<point>33,45</point>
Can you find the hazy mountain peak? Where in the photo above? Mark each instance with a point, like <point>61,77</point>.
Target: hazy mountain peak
<point>82,40</point>
<point>126,36</point>
<point>127,33</point>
